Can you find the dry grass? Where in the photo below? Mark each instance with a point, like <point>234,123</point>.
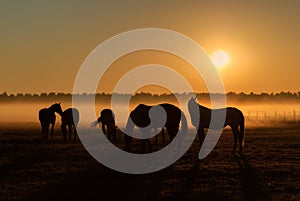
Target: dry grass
<point>32,168</point>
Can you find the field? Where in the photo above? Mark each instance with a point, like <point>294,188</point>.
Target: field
<point>33,168</point>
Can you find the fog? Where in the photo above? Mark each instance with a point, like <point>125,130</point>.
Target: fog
<point>28,112</point>
<point>255,114</point>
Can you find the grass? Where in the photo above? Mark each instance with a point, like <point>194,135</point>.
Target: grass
<point>32,168</point>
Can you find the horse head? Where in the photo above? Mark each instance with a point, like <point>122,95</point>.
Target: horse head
<point>56,107</point>
<point>193,108</point>
<point>192,102</point>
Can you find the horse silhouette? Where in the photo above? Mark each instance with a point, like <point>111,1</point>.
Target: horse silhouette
<point>140,117</point>
<point>70,118</point>
<point>107,119</point>
<point>47,117</point>
<point>234,119</point>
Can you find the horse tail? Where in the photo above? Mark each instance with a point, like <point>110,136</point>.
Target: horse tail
<point>242,129</point>
<point>95,123</point>
<point>75,114</point>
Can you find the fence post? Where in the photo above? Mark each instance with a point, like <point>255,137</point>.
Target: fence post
<point>265,115</point>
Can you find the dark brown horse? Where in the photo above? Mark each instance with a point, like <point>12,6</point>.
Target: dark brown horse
<point>47,117</point>
<point>234,118</point>
<point>140,117</point>
<point>70,118</point>
<point>107,119</point>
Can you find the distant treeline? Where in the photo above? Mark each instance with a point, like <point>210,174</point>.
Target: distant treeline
<point>148,97</point>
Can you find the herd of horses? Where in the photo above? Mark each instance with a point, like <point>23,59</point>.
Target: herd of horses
<point>140,117</point>
<point>69,118</point>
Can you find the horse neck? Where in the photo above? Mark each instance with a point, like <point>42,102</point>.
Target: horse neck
<point>60,113</point>
<point>52,110</point>
<point>194,105</point>
<point>129,125</point>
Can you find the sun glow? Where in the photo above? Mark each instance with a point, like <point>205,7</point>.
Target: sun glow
<point>220,58</point>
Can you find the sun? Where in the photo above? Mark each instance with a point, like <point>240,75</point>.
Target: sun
<point>220,58</point>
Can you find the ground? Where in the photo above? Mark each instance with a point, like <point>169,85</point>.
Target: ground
<point>33,168</point>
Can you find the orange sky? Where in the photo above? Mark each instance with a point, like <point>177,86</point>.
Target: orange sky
<point>43,44</point>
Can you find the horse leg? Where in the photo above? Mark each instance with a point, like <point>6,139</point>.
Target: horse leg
<point>172,131</point>
<point>149,144</point>
<point>52,130</point>
<point>70,131</point>
<point>46,128</point>
<point>144,145</point>
<point>127,140</point>
<point>235,135</point>
<point>146,132</point>
<point>163,135</point>
<point>42,125</point>
<point>241,141</point>
<point>156,138</point>
<point>241,144</point>
<point>105,131</point>
<point>75,132</point>
<point>113,131</point>
<point>64,130</point>
<point>109,131</point>
<point>201,136</point>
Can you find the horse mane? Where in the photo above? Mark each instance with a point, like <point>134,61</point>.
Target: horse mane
<point>195,102</point>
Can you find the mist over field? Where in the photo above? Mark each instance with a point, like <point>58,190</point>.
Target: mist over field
<point>260,110</point>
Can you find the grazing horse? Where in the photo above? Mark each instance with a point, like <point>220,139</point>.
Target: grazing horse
<point>70,118</point>
<point>47,117</point>
<point>140,117</point>
<point>234,118</point>
<point>107,119</point>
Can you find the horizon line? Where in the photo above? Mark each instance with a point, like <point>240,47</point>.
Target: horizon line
<point>4,93</point>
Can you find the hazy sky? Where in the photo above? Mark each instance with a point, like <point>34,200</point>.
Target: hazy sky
<point>43,43</point>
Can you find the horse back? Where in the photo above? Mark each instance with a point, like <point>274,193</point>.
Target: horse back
<point>233,116</point>
<point>107,116</point>
<point>140,115</point>
<point>205,116</point>
<point>46,116</point>
<point>173,114</point>
<point>70,116</point>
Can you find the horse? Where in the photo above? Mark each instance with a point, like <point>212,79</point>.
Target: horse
<point>70,118</point>
<point>140,117</point>
<point>234,118</point>
<point>47,117</point>
<point>107,119</point>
